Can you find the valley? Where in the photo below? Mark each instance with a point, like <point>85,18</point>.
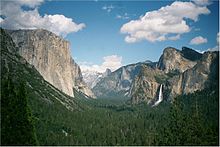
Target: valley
<point>109,73</point>
<point>129,113</point>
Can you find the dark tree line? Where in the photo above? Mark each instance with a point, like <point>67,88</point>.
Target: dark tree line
<point>16,119</point>
<point>190,120</point>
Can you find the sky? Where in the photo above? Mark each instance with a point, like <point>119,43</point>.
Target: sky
<point>110,34</point>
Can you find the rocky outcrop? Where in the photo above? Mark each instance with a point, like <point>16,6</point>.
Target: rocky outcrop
<point>91,78</point>
<point>190,54</point>
<point>180,72</point>
<point>145,86</point>
<point>50,55</point>
<point>118,83</point>
<point>107,72</point>
<point>173,60</point>
<point>196,78</point>
<point>39,91</point>
<point>138,81</point>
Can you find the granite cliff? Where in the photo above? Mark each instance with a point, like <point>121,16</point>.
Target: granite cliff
<point>117,83</point>
<point>40,91</point>
<point>50,55</point>
<point>145,86</point>
<point>196,78</point>
<point>174,60</point>
<point>178,71</point>
<point>91,78</point>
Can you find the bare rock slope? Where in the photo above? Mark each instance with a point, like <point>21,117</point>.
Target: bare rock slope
<point>196,78</point>
<point>173,60</point>
<point>51,56</point>
<point>178,71</point>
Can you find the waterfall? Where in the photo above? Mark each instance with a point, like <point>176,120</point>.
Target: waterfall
<point>160,93</point>
<point>160,97</point>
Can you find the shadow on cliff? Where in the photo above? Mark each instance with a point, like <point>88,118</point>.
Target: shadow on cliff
<point>213,78</point>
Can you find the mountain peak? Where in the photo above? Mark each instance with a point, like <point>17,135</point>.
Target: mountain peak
<point>190,54</point>
<point>41,33</point>
<point>107,72</point>
<point>147,61</point>
<point>173,59</point>
<point>168,49</point>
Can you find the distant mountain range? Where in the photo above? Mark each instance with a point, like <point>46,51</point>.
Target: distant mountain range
<point>45,100</point>
<point>178,71</point>
<point>91,78</point>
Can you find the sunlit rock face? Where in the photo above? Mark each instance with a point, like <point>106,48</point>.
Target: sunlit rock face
<point>196,78</point>
<point>117,83</point>
<point>172,59</point>
<point>179,71</point>
<point>91,78</point>
<point>50,55</point>
<point>145,86</point>
<point>136,81</point>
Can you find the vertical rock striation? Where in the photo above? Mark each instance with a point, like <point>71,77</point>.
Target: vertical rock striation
<point>145,86</point>
<point>179,71</point>
<point>173,60</point>
<point>117,83</point>
<point>196,78</point>
<point>50,55</point>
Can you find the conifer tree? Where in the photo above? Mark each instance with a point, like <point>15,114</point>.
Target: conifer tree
<point>16,119</point>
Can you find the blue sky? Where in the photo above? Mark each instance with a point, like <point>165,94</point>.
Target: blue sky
<point>102,36</point>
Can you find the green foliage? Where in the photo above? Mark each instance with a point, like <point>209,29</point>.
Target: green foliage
<point>193,119</point>
<point>161,79</point>
<point>173,73</point>
<point>16,119</point>
<point>190,119</point>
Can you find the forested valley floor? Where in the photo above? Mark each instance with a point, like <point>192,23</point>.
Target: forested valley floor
<point>189,120</point>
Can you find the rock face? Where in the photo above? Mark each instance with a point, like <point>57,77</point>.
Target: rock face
<point>137,81</point>
<point>180,72</point>
<point>117,83</point>
<point>190,54</point>
<point>91,78</point>
<point>107,72</point>
<point>145,86</point>
<point>18,69</point>
<point>173,60</point>
<point>50,55</point>
<point>140,82</point>
<point>196,78</point>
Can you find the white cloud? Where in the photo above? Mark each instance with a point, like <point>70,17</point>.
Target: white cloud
<point>130,39</point>
<point>124,16</point>
<point>108,8</point>
<point>112,62</point>
<point>202,2</point>
<point>216,48</point>
<point>198,40</point>
<point>174,37</point>
<point>17,18</point>
<point>30,3</point>
<point>157,25</point>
